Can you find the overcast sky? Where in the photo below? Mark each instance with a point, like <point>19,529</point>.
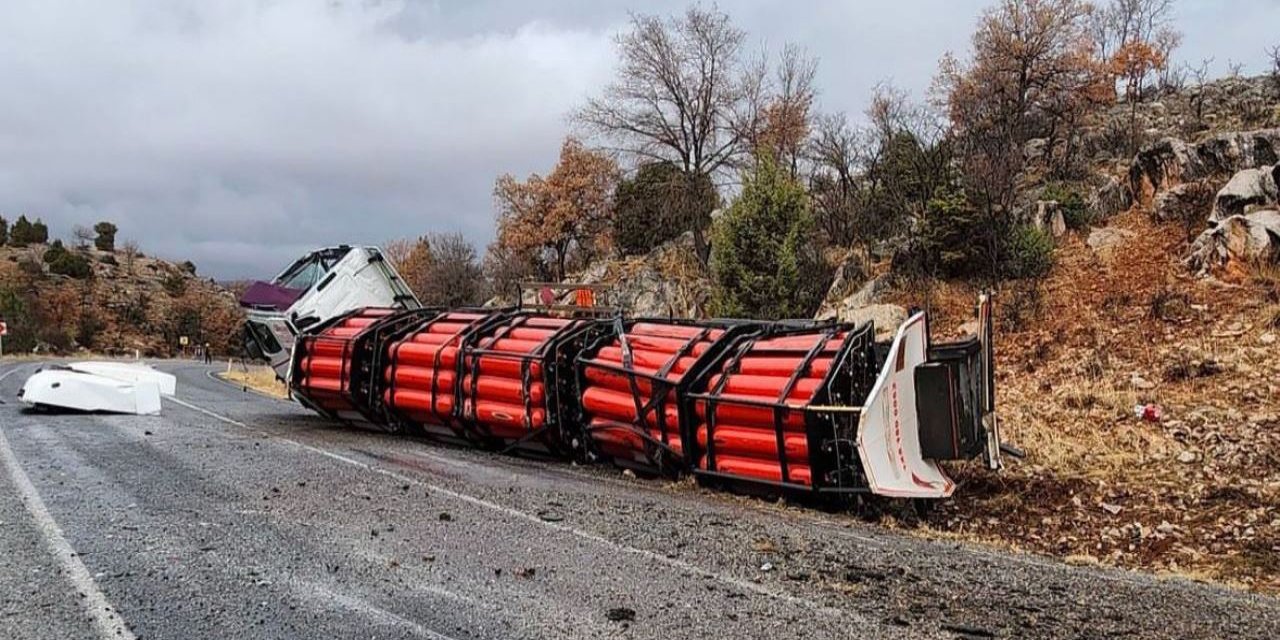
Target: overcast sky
<point>240,133</point>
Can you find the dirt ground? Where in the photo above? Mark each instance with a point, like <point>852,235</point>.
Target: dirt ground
<point>1195,493</point>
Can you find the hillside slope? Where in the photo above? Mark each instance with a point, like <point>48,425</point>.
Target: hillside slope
<point>129,304</point>
<point>1195,492</point>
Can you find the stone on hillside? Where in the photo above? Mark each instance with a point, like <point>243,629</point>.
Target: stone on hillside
<point>1048,217</point>
<point>842,293</point>
<point>1247,188</point>
<point>664,283</point>
<point>1106,240</point>
<point>886,317</point>
<point>1239,238</point>
<point>1189,198</point>
<point>1111,198</point>
<point>1170,161</point>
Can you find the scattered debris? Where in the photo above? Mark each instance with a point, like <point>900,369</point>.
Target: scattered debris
<point>621,614</point>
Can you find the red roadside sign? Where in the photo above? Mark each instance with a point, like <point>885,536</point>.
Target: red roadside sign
<point>4,328</point>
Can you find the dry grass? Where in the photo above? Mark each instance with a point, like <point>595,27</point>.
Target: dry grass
<point>1195,494</point>
<point>260,378</point>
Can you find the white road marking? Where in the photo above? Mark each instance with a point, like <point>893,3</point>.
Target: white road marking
<point>836,528</point>
<point>106,618</point>
<point>744,585</point>
<point>328,598</point>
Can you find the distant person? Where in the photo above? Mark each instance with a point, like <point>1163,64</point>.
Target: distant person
<point>208,355</point>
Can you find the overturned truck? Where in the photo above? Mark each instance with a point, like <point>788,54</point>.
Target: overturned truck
<point>799,408</point>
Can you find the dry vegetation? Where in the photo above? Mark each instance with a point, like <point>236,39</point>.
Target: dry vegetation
<point>257,377</point>
<point>1197,493</point>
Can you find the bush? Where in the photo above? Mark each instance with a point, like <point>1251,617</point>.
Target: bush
<point>1075,211</point>
<point>764,259</point>
<point>88,328</point>
<point>39,232</point>
<point>21,234</point>
<point>1027,252</point>
<point>67,263</point>
<point>4,231</point>
<point>175,285</point>
<point>108,259</point>
<point>658,205</point>
<point>187,266</point>
<point>954,240</point>
<point>106,239</point>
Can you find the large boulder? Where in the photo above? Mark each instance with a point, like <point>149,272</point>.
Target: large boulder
<point>1170,161</point>
<point>666,283</point>
<point>1186,201</point>
<point>886,317</point>
<point>849,290</point>
<point>1110,198</point>
<point>1247,189</point>
<point>1048,218</point>
<point>1237,239</point>
<point>1105,241</point>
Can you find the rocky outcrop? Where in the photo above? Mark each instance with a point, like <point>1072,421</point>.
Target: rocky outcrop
<point>1048,218</point>
<point>1189,200</point>
<point>849,302</point>
<point>666,283</point>
<point>1248,189</point>
<point>1237,239</point>
<point>886,317</point>
<point>1111,197</point>
<point>1170,161</point>
<point>1105,241</point>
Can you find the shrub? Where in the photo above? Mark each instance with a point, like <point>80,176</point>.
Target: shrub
<point>764,258</point>
<point>658,205</point>
<point>21,234</point>
<point>67,263</point>
<point>187,266</point>
<point>1027,253</point>
<point>39,232</point>
<point>175,285</point>
<point>4,231</point>
<point>1075,211</point>
<point>955,240</point>
<point>106,239</point>
<point>88,328</point>
<point>108,259</point>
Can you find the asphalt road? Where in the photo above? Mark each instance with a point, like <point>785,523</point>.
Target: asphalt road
<point>238,516</point>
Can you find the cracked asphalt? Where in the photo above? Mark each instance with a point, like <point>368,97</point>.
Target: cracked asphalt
<point>233,515</point>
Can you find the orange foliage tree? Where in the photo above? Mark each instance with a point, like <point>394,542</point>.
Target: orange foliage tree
<point>1133,62</point>
<point>563,218</point>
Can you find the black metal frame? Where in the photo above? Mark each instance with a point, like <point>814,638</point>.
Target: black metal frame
<point>662,459</point>
<point>558,435</point>
<point>453,421</point>
<point>830,417</point>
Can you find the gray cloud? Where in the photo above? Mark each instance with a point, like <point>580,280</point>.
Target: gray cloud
<point>240,133</point>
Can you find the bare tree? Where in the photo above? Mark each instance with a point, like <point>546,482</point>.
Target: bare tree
<point>83,236</point>
<point>1273,54</point>
<point>454,277</point>
<point>1125,24</point>
<point>683,93</point>
<point>786,118</point>
<point>869,182</point>
<point>1199,75</point>
<point>131,253</point>
<point>398,251</point>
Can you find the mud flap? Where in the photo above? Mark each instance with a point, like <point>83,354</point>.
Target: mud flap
<point>986,333</point>
<point>888,428</point>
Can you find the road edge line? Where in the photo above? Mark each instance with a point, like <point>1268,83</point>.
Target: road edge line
<point>106,618</point>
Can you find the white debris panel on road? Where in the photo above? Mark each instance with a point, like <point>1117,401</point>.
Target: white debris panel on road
<point>107,386</point>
